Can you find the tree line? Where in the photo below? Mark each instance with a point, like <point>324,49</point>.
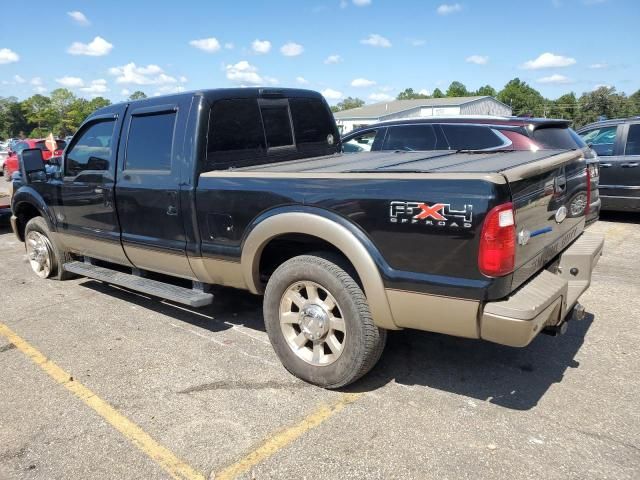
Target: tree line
<point>525,100</point>
<point>61,113</point>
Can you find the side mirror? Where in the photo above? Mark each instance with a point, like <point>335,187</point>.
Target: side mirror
<point>57,161</point>
<point>32,164</point>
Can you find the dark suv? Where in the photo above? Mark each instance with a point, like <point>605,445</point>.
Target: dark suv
<point>485,134</point>
<point>617,143</point>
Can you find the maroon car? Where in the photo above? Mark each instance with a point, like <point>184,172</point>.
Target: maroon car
<point>481,134</point>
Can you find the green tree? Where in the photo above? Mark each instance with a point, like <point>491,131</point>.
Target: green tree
<point>347,104</point>
<point>62,102</point>
<point>457,89</point>
<point>487,90</point>
<point>634,103</point>
<point>565,106</point>
<point>137,95</point>
<point>602,102</point>
<point>523,99</point>
<point>38,111</point>
<point>437,93</point>
<point>410,94</point>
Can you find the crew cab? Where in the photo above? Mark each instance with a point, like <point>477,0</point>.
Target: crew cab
<point>246,188</point>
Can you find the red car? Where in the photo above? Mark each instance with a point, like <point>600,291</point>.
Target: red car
<point>11,163</point>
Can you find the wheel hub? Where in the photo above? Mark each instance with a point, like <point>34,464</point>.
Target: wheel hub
<point>314,322</point>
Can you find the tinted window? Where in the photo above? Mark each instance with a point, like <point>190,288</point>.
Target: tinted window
<point>601,139</point>
<point>312,122</point>
<point>92,149</point>
<point>633,140</point>
<point>471,137</point>
<point>150,141</point>
<point>410,138</point>
<point>361,143</point>
<point>557,138</point>
<point>277,125</point>
<point>235,133</point>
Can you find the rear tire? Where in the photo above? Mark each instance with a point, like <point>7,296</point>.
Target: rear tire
<point>45,256</point>
<point>319,322</point>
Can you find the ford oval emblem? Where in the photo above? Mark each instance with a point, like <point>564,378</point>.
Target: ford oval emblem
<point>561,214</point>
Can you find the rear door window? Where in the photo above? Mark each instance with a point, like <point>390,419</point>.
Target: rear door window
<point>150,142</point>
<point>601,139</point>
<point>360,143</point>
<point>633,140</point>
<point>472,137</point>
<point>410,138</point>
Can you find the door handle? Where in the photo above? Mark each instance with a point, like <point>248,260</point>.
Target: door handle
<point>630,165</point>
<point>605,165</point>
<point>172,210</point>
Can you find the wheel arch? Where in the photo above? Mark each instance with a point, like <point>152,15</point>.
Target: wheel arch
<point>328,228</point>
<point>26,204</point>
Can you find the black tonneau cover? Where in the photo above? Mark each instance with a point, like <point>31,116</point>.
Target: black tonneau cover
<point>443,161</point>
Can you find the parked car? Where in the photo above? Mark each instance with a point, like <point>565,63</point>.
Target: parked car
<point>4,153</point>
<point>486,133</point>
<point>245,188</point>
<point>11,164</point>
<point>617,143</point>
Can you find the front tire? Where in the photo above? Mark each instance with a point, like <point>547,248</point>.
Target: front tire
<point>45,257</point>
<point>319,322</point>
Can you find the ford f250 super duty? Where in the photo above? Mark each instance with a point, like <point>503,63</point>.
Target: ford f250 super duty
<point>246,188</point>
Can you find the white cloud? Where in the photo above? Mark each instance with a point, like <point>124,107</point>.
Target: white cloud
<point>333,59</point>
<point>555,79</point>
<point>331,94</point>
<point>80,18</point>
<point>261,46</point>
<point>548,60</point>
<point>380,97</point>
<point>95,48</point>
<point>209,45</point>
<point>125,92</point>
<point>376,40</point>
<point>229,46</point>
<point>598,66</point>
<point>362,3</point>
<point>478,59</point>
<point>39,89</point>
<point>292,49</point>
<point>168,89</point>
<point>449,8</point>
<point>601,85</point>
<point>183,79</point>
<point>18,79</point>
<point>302,81</point>
<point>8,56</point>
<point>424,91</point>
<point>243,73</point>
<point>96,87</point>
<point>362,83</point>
<point>131,74</point>
<point>70,82</point>
<point>36,81</point>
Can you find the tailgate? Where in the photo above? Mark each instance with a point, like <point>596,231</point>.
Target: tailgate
<point>549,198</point>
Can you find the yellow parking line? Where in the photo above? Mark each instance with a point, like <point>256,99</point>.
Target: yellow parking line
<point>285,437</point>
<point>159,454</point>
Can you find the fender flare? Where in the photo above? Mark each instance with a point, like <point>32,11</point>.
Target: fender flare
<point>329,230</point>
<point>28,195</point>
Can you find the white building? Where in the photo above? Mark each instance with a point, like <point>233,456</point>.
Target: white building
<point>348,120</point>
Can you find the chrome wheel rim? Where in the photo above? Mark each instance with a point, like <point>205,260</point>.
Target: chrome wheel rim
<point>312,323</point>
<point>578,205</point>
<point>39,254</point>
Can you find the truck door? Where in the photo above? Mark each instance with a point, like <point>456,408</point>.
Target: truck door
<point>87,220</point>
<point>606,141</point>
<point>628,181</point>
<point>147,187</point>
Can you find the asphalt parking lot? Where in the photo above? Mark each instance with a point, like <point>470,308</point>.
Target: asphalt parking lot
<point>98,382</point>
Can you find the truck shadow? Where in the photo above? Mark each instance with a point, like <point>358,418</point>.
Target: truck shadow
<point>515,378</point>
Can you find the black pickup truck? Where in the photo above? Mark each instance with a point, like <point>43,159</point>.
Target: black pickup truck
<point>246,188</point>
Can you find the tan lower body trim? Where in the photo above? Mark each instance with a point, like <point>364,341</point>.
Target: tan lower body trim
<point>452,316</point>
<point>218,272</point>
<point>165,262</point>
<point>100,249</point>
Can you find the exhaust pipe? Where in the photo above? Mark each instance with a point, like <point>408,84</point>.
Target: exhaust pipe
<point>579,312</point>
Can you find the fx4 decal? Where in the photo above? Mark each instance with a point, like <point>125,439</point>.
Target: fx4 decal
<point>436,215</point>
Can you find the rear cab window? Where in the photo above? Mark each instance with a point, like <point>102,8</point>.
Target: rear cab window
<point>249,131</point>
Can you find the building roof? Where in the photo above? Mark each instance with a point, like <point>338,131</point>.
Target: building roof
<point>381,109</point>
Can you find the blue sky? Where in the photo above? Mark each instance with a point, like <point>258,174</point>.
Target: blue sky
<point>366,48</point>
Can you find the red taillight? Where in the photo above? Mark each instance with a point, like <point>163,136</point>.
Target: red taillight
<point>496,256</point>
